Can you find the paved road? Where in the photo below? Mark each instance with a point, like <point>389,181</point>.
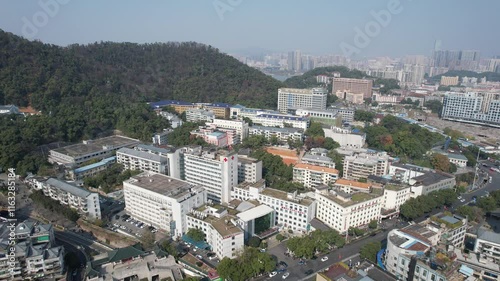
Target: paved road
<point>82,241</point>
<point>70,246</point>
<point>350,251</point>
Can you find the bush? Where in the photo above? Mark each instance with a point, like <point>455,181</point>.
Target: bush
<point>254,242</point>
<point>280,237</point>
<point>199,263</point>
<point>373,224</point>
<point>290,231</point>
<point>52,205</point>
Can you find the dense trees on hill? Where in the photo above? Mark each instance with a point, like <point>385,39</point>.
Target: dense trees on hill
<point>85,91</point>
<point>400,138</point>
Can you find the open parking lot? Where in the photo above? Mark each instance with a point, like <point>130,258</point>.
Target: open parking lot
<point>123,223</point>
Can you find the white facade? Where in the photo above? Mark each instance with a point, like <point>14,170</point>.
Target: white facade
<point>345,137</point>
<point>311,176</point>
<point>161,138</point>
<point>488,246</point>
<point>283,134</point>
<point>472,107</point>
<point>222,232</point>
<point>363,165</point>
<point>162,201</point>
<point>405,172</point>
<point>431,181</point>
<point>141,160</point>
<point>289,98</point>
<point>240,126</point>
<point>279,120</point>
<point>395,196</point>
<point>249,169</point>
<point>292,211</point>
<point>216,171</point>
<point>85,202</point>
<point>341,212</point>
<point>199,115</point>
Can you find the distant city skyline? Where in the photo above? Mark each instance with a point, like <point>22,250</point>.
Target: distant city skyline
<point>364,28</point>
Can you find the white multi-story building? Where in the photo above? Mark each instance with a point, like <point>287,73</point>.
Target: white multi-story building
<point>341,211</point>
<point>282,121</point>
<point>249,169</point>
<point>363,165</point>
<point>317,157</point>
<point>92,169</point>
<point>472,107</point>
<point>85,202</point>
<point>141,160</point>
<point>283,134</point>
<point>311,176</point>
<point>240,126</point>
<point>162,201</point>
<point>222,232</point>
<point>173,119</point>
<point>216,171</point>
<point>487,246</point>
<point>199,115</point>
<point>289,98</point>
<point>394,197</point>
<point>346,137</point>
<point>36,254</point>
<point>293,211</point>
<point>173,165</point>
<point>431,181</point>
<point>324,114</point>
<point>77,154</point>
<point>405,172</point>
<point>161,138</point>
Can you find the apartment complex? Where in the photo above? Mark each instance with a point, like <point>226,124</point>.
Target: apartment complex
<point>249,169</point>
<point>341,210</point>
<point>215,137</point>
<point>84,202</point>
<point>240,126</point>
<point>76,154</point>
<point>364,164</point>
<point>487,246</point>
<point>292,211</point>
<point>346,137</point>
<point>37,256</point>
<point>350,85</point>
<point>141,160</point>
<point>289,98</point>
<point>405,172</point>
<point>312,176</point>
<point>283,134</point>
<point>318,157</point>
<point>92,169</point>
<point>172,118</point>
<point>162,201</point>
<point>472,107</point>
<point>449,81</point>
<point>161,138</point>
<point>199,115</point>
<point>282,121</point>
<point>215,170</point>
<point>395,195</point>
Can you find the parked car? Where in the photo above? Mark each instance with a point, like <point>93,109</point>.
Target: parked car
<point>325,258</point>
<point>199,256</point>
<point>309,272</point>
<point>285,275</point>
<point>272,274</point>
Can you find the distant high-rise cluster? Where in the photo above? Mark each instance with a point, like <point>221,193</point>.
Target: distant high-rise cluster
<point>297,62</point>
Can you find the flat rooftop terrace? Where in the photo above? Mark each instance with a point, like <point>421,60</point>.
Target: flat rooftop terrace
<point>97,145</point>
<point>284,196</point>
<point>161,184</point>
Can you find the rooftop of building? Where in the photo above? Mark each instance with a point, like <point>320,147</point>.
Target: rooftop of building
<point>255,212</point>
<point>93,146</point>
<point>448,219</point>
<point>488,235</point>
<point>285,196</point>
<point>318,158</point>
<point>276,129</point>
<point>352,198</point>
<point>409,167</point>
<point>395,187</point>
<point>316,168</point>
<point>206,152</point>
<point>432,177</point>
<point>219,104</point>
<point>64,186</point>
<point>246,185</point>
<point>223,225</point>
<point>103,162</point>
<point>161,184</point>
<point>420,232</point>
<point>352,183</point>
<point>247,160</point>
<point>283,117</point>
<point>142,154</point>
<point>303,91</point>
<point>154,149</point>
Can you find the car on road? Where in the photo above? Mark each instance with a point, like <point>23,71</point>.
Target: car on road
<point>199,256</point>
<point>462,200</point>
<point>302,262</point>
<point>309,272</point>
<point>285,275</point>
<point>459,197</point>
<point>272,274</point>
<point>325,258</point>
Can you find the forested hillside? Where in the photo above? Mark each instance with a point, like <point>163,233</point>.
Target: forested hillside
<point>86,90</point>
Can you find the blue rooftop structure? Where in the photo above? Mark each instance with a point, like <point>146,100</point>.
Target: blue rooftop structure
<point>197,244</point>
<point>217,134</point>
<point>163,103</point>
<point>103,162</point>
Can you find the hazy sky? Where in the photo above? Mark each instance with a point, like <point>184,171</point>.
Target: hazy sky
<point>313,26</point>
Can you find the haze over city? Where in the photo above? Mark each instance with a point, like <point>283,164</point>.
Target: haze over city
<point>317,27</point>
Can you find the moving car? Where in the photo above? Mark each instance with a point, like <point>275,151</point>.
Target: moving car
<point>309,272</point>
<point>325,258</point>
